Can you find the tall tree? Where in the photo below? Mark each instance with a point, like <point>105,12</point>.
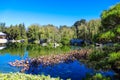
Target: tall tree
<point>111,17</point>
<point>93,27</point>
<point>33,32</point>
<point>22,31</point>
<point>110,23</point>
<point>77,24</point>
<point>67,33</point>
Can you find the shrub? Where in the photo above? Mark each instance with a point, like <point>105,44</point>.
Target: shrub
<point>109,35</point>
<point>21,76</point>
<point>97,76</point>
<point>96,55</point>
<point>114,57</point>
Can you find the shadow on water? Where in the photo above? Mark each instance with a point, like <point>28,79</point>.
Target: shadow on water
<point>74,70</point>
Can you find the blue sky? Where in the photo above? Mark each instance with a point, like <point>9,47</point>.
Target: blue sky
<point>56,12</point>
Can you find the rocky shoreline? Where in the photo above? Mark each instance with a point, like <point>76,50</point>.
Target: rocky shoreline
<point>51,59</point>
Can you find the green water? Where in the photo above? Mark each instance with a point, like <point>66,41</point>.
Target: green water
<point>34,50</point>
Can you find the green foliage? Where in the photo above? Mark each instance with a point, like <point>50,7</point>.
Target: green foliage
<point>33,32</point>
<point>115,56</point>
<point>87,30</point>
<point>66,34</point>
<point>111,18</point>
<point>93,29</point>
<point>118,29</point>
<point>22,31</point>
<point>50,33</point>
<point>65,41</point>
<point>107,36</point>
<point>16,32</point>
<point>21,76</point>
<point>96,55</point>
<point>97,76</point>
<point>77,24</point>
<point>105,57</point>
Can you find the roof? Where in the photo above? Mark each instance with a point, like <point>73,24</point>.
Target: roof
<point>2,34</point>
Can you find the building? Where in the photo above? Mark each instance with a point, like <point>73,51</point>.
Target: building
<point>3,37</point>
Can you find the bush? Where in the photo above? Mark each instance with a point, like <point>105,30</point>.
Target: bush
<point>96,55</point>
<point>21,76</point>
<point>65,41</point>
<point>118,29</point>
<point>114,57</point>
<point>97,76</point>
<point>107,36</point>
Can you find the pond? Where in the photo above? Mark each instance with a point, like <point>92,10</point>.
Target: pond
<point>75,70</point>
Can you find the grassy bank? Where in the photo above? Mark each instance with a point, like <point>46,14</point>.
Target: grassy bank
<point>22,76</point>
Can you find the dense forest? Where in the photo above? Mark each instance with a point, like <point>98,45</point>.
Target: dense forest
<point>106,29</point>
<point>80,30</point>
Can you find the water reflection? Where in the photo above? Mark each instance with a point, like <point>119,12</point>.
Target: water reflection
<point>16,51</point>
<point>74,70</point>
<point>2,46</point>
<point>33,50</point>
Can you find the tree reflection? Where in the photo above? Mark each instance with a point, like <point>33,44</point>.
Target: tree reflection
<point>34,50</point>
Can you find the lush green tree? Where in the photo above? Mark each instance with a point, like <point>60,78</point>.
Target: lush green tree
<point>111,18</point>
<point>48,32</point>
<point>110,24</point>
<point>13,32</point>
<point>52,33</point>
<point>66,34</point>
<point>22,31</point>
<point>87,30</point>
<point>93,29</point>
<point>77,24</point>
<point>107,36</point>
<point>16,32</point>
<point>33,32</point>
